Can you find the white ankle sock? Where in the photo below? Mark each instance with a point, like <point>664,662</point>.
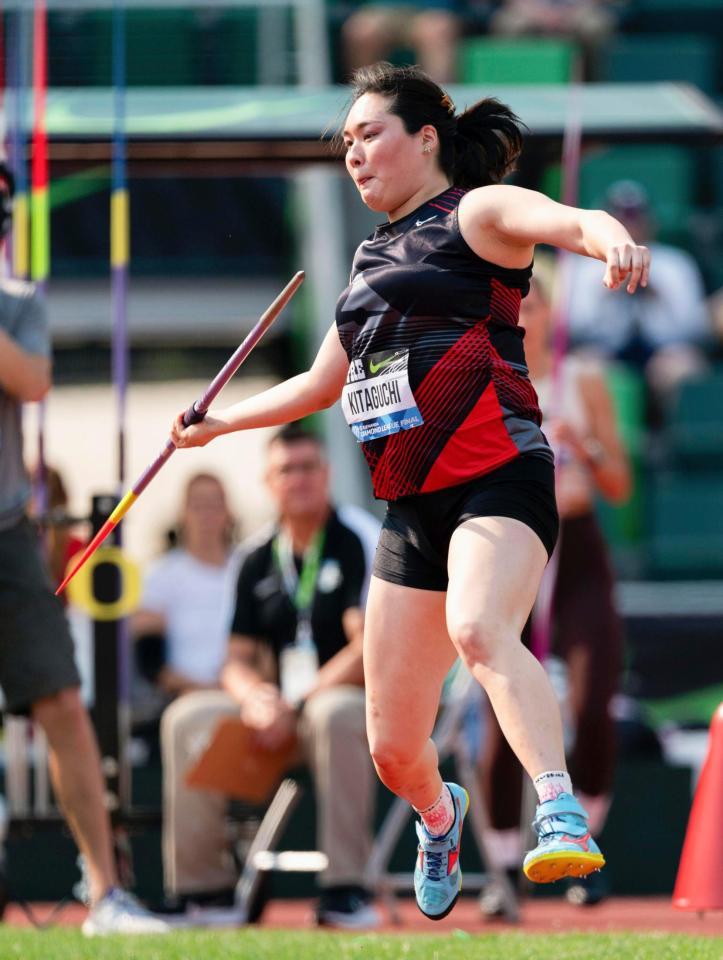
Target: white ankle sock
<point>439,817</point>
<point>551,784</point>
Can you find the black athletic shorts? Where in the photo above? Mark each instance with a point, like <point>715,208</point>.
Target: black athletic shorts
<point>36,649</point>
<point>414,541</point>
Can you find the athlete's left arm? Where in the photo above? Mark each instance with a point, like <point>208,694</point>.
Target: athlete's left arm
<point>516,219</point>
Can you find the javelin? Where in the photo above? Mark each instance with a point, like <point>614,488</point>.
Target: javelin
<point>195,413</point>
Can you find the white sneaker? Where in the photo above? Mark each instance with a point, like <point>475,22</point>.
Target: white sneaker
<point>120,912</point>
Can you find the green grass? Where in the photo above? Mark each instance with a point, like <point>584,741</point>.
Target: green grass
<point>67,944</point>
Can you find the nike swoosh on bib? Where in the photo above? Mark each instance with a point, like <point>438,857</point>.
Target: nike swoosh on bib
<point>376,367</point>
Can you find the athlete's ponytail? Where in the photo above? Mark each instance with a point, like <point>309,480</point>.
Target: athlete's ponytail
<point>476,148</point>
<point>487,143</point>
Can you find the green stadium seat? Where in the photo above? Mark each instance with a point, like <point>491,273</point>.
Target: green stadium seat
<point>664,16</point>
<point>164,47</point>
<point>227,47</point>
<point>695,428</point>
<point>667,172</point>
<point>686,515</point>
<point>79,48</point>
<point>161,47</point>
<point>527,60</point>
<point>654,57</point>
<point>627,389</point>
<point>623,524</point>
<point>658,6</point>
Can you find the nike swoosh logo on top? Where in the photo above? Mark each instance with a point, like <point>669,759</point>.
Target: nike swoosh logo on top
<point>421,222</point>
<point>376,367</point>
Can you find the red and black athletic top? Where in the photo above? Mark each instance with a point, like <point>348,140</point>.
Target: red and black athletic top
<point>417,288</point>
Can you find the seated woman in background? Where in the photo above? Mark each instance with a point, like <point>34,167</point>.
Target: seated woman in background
<point>187,595</point>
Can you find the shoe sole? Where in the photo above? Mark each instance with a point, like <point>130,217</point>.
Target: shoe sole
<point>550,867</point>
<point>448,910</point>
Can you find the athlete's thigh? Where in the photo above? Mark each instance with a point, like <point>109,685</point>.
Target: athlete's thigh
<point>407,655</point>
<point>495,566</point>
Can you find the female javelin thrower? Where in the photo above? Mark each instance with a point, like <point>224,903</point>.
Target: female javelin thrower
<point>426,354</point>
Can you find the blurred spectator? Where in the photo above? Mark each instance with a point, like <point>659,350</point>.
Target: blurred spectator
<point>185,611</point>
<point>586,632</point>
<point>430,28</point>
<point>293,669</point>
<point>663,331</point>
<point>38,673</point>
<point>587,21</point>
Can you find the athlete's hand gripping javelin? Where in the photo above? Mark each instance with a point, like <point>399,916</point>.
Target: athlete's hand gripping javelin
<point>306,393</point>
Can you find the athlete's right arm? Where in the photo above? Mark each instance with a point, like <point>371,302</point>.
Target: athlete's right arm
<point>315,389</point>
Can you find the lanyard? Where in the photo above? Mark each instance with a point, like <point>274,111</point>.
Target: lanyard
<point>300,587</point>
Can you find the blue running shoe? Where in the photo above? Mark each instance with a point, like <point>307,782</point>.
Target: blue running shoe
<point>565,847</point>
<point>437,876</point>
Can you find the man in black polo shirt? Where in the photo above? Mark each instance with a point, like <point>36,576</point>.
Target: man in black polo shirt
<point>294,669</point>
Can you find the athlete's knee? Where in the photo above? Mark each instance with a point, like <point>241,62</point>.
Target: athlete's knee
<point>479,644</point>
<point>393,760</point>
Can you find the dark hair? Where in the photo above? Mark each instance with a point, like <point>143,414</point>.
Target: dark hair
<point>478,147</point>
<point>296,433</point>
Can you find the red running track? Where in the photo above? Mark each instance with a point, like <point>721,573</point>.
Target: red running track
<point>538,916</point>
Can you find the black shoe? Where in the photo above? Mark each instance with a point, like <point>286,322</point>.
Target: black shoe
<point>180,902</point>
<point>349,908</point>
<point>588,891</point>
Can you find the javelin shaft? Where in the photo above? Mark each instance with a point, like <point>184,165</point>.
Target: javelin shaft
<point>195,413</point>
<point>237,358</point>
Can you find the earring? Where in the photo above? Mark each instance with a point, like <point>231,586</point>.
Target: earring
<point>427,148</point>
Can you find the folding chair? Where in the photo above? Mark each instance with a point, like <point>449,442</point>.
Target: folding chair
<point>262,857</point>
<point>461,692</point>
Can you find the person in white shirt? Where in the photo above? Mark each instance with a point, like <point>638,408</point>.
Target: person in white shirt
<point>188,592</point>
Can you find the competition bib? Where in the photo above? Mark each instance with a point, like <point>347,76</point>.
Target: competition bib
<point>377,400</point>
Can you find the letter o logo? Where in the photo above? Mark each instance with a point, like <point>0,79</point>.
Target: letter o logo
<point>80,588</point>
